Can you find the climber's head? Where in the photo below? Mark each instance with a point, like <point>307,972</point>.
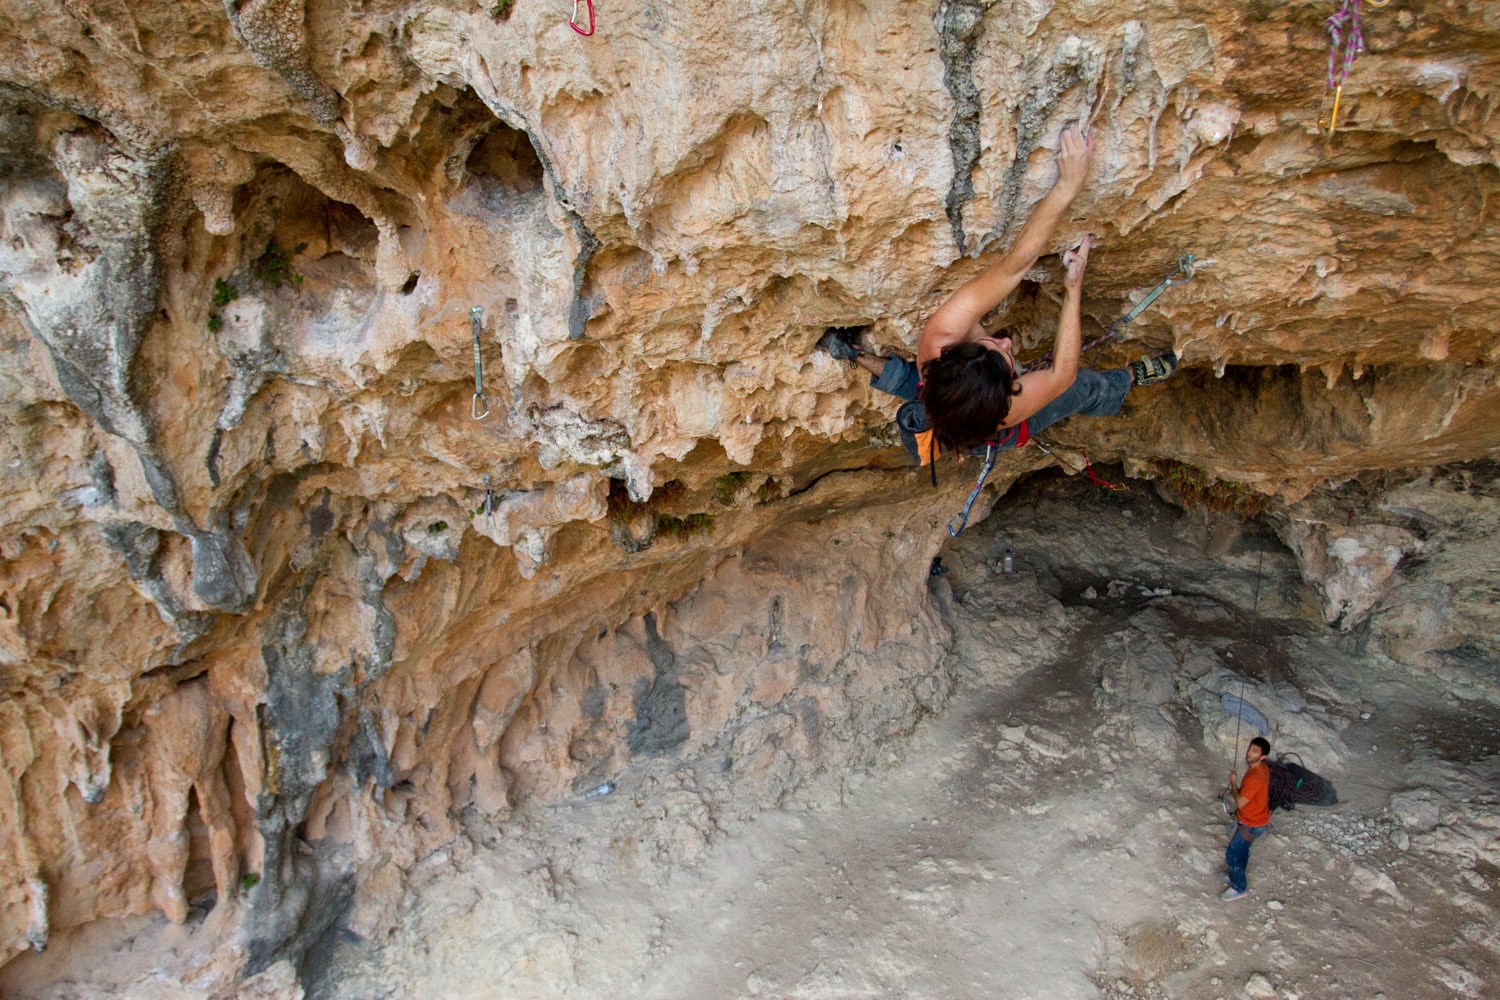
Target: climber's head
<point>967,390</point>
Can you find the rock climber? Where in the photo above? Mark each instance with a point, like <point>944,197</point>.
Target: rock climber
<point>1252,796</point>
<point>972,387</point>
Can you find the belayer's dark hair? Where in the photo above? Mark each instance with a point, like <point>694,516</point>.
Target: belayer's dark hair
<point>1265,747</point>
<point>967,390</point>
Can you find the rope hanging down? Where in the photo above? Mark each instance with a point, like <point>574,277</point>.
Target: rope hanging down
<point>1234,763</point>
<point>1182,273</point>
<point>573,21</point>
<point>479,408</point>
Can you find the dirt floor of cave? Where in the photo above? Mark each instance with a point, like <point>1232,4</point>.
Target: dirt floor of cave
<point>1053,833</point>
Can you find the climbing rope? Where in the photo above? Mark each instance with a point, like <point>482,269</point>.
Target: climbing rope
<point>479,408</point>
<point>1346,40</point>
<point>573,21</point>
<point>1234,758</point>
<point>1182,273</point>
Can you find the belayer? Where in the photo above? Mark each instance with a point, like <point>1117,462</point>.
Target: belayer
<point>975,393</point>
<point>1252,815</point>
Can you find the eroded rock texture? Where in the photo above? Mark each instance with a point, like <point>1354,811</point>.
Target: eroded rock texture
<point>276,608</point>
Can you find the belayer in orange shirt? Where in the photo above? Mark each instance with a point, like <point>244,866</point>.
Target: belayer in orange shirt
<point>1252,795</point>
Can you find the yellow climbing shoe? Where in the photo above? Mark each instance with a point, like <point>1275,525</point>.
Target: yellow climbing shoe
<point>1150,371</point>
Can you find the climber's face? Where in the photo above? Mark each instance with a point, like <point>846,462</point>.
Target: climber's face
<point>1003,347</point>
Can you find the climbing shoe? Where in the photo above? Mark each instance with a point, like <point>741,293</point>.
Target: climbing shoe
<point>839,344</point>
<point>1149,371</point>
<point>1232,893</point>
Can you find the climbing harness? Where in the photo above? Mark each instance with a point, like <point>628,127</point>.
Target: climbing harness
<point>573,21</point>
<point>1184,272</point>
<point>962,517</point>
<point>1346,38</point>
<point>479,408</point>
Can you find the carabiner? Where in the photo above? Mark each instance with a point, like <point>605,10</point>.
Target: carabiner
<point>573,21</point>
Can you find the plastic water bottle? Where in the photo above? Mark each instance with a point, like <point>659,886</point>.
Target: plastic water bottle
<point>1007,564</point>
<point>600,791</point>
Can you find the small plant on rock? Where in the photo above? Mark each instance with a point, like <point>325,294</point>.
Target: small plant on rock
<point>501,11</point>
<point>274,266</point>
<point>1197,490</point>
<point>224,293</point>
<point>671,525</point>
<point>727,485</point>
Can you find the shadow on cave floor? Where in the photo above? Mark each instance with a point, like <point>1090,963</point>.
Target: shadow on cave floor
<point>1054,832</point>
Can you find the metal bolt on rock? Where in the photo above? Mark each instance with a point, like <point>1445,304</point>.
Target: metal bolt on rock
<point>1007,563</point>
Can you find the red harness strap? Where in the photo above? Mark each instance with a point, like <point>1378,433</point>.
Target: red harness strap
<point>1017,436</point>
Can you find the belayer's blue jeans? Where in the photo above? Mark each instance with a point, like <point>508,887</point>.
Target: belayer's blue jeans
<point>1237,854</point>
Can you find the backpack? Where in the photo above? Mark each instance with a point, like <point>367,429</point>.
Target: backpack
<point>1293,785</point>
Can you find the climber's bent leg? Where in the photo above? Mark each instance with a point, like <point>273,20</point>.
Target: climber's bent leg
<point>897,377</point>
<point>1092,394</point>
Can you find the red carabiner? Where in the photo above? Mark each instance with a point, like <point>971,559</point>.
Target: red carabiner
<point>573,21</point>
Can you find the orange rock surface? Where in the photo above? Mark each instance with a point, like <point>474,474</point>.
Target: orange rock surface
<point>275,607</point>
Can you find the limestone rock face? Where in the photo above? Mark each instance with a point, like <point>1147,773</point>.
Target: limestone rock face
<point>276,606</point>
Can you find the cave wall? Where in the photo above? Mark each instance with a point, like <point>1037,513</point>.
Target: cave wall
<point>266,577</point>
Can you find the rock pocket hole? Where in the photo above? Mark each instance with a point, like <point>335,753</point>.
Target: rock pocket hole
<point>506,156</point>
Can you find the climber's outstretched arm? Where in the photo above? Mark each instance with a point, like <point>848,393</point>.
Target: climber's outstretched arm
<point>1041,387</point>
<point>957,319</point>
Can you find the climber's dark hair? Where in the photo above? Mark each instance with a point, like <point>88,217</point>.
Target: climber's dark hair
<point>967,390</point>
<point>1264,744</point>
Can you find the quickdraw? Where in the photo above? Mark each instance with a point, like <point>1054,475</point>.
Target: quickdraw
<point>962,517</point>
<point>1087,469</point>
<point>489,496</point>
<point>573,21</point>
<point>479,407</point>
<point>960,521</point>
<point>1346,37</point>
<point>1184,271</point>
